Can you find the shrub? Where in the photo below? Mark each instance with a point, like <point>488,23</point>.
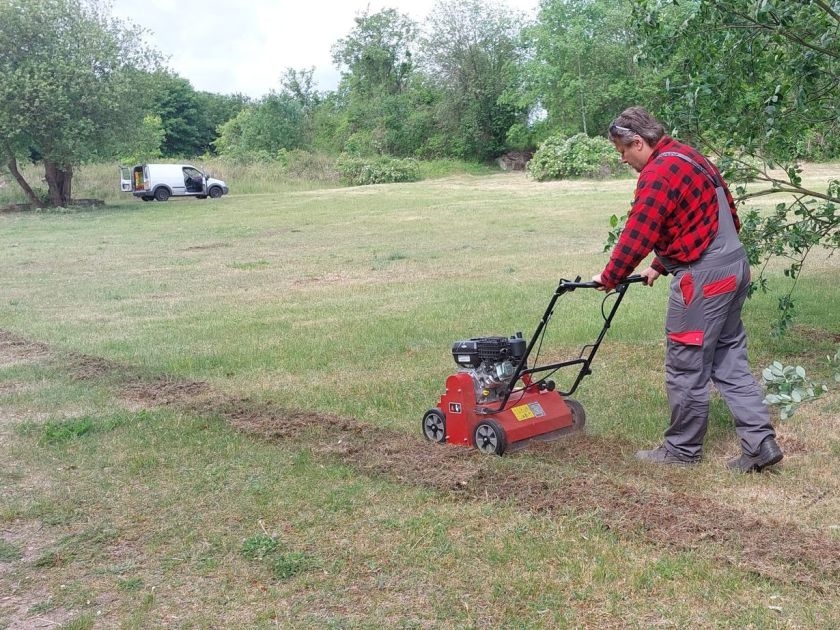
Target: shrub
<point>309,165</point>
<point>361,171</point>
<point>579,156</point>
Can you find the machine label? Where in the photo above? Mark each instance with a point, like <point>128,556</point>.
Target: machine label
<point>454,407</point>
<point>526,412</point>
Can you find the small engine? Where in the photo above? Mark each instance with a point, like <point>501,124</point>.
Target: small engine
<point>491,362</point>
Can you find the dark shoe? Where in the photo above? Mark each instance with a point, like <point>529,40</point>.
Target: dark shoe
<point>661,455</point>
<point>769,453</point>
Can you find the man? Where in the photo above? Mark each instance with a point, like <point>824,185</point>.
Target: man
<point>684,212</point>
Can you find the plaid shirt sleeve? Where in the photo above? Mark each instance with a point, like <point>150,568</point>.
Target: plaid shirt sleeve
<point>641,231</point>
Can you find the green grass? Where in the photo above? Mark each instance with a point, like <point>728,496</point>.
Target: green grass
<point>122,507</point>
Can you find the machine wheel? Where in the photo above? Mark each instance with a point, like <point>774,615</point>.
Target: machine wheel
<point>434,425</point>
<point>201,196</point>
<point>215,192</point>
<point>162,194</point>
<point>147,198</point>
<point>578,413</point>
<point>490,437</point>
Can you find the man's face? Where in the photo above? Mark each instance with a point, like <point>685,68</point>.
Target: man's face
<point>636,154</point>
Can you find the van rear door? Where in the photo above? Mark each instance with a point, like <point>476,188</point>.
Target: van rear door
<point>125,179</point>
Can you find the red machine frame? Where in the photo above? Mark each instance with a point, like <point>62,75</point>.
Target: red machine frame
<point>535,410</point>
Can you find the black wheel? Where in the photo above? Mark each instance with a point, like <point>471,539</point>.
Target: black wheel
<point>215,192</point>
<point>201,196</point>
<point>434,425</point>
<point>147,198</point>
<point>162,194</point>
<point>578,413</point>
<point>490,437</point>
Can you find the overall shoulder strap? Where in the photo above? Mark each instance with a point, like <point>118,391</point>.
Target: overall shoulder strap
<point>712,178</point>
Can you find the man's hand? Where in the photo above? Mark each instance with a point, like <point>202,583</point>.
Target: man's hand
<point>650,275</point>
<point>597,280</point>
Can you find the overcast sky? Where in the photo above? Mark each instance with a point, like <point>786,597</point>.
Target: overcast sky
<point>230,46</point>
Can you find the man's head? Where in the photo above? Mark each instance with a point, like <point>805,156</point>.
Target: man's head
<point>635,133</point>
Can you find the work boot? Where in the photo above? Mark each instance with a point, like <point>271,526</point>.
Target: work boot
<point>662,455</point>
<point>768,454</point>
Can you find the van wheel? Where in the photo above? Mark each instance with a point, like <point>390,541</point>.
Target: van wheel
<point>162,194</point>
<point>215,192</point>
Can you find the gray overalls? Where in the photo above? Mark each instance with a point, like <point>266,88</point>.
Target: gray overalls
<point>706,340</point>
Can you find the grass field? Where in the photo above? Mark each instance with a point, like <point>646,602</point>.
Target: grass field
<point>210,418</point>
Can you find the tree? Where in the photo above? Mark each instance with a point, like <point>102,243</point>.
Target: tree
<point>377,64</point>
<point>758,82</point>
<point>71,81</point>
<point>376,58</point>
<point>260,131</point>
<point>142,144</point>
<point>176,103</point>
<point>471,51</point>
<point>582,67</point>
<point>213,111</point>
<point>300,85</point>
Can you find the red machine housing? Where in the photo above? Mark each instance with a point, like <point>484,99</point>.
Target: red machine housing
<point>531,413</point>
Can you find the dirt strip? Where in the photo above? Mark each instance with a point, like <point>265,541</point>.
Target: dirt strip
<point>599,483</point>
<point>672,519</point>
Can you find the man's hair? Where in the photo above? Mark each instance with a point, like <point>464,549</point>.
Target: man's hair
<point>636,121</point>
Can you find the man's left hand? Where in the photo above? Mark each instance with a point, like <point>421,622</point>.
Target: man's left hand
<point>650,275</point>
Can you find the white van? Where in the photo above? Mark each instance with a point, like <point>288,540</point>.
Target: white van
<point>162,181</point>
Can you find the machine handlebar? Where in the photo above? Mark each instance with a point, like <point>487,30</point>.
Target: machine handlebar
<point>570,285</point>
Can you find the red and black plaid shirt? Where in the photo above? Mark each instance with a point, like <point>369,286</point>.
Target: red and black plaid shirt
<point>674,213</point>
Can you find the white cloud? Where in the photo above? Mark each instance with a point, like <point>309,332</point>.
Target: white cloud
<point>229,47</point>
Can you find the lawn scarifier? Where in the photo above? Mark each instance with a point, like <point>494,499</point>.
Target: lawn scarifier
<point>483,406</point>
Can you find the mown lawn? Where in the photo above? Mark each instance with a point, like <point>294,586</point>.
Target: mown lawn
<point>210,418</point>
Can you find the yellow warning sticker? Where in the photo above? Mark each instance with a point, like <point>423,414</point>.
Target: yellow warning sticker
<point>522,412</point>
<point>526,412</point>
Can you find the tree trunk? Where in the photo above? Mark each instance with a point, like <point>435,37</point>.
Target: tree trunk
<point>11,163</point>
<point>59,181</point>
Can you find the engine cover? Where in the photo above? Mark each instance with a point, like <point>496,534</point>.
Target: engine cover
<point>471,353</point>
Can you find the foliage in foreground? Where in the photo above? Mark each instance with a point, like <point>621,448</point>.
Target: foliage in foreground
<point>757,79</point>
<point>788,387</point>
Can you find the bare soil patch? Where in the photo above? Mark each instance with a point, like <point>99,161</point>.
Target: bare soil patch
<point>197,248</point>
<point>162,391</point>
<point>15,349</point>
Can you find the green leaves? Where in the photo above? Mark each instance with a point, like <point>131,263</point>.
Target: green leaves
<point>616,225</point>
<point>584,68</point>
<point>756,82</point>
<point>788,387</point>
